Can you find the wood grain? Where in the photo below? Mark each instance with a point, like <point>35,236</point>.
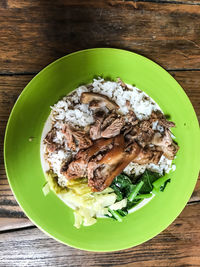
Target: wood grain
<point>10,88</point>
<point>174,2</point>
<point>178,245</point>
<point>34,33</point>
<point>190,81</point>
<point>11,215</point>
<point>14,223</point>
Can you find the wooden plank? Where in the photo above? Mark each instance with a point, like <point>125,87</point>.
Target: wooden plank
<point>10,88</point>
<point>14,223</point>
<point>174,2</point>
<point>178,245</point>
<point>11,215</point>
<point>190,80</point>
<point>19,3</point>
<point>35,33</point>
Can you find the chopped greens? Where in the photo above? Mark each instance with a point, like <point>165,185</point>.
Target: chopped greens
<point>162,188</point>
<point>131,204</point>
<point>159,182</point>
<point>122,186</point>
<point>117,192</point>
<point>115,214</point>
<point>135,190</point>
<point>122,212</point>
<point>142,196</point>
<point>148,178</point>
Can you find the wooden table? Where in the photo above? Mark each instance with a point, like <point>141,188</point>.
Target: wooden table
<point>34,33</point>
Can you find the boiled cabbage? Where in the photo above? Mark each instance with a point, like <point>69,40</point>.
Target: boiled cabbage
<point>119,205</point>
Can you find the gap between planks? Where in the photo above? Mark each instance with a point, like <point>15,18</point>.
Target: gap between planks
<point>193,3</point>
<point>36,72</point>
<point>18,224</point>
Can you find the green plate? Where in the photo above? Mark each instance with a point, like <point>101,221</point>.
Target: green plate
<point>22,157</point>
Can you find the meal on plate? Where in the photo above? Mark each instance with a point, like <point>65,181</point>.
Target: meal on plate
<point>107,147</point>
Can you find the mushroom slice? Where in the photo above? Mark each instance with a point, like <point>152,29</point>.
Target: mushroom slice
<point>88,97</point>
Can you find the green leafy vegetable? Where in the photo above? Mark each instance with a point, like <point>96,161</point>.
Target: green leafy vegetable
<point>162,188</point>
<point>122,212</point>
<point>122,186</point>
<point>122,181</point>
<point>142,196</point>
<point>135,191</point>
<point>116,215</point>
<point>159,182</point>
<point>148,178</point>
<point>117,192</point>
<point>131,204</point>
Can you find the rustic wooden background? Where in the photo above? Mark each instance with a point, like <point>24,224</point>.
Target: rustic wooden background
<point>34,33</point>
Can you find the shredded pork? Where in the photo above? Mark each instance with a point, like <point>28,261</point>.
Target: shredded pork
<point>117,141</point>
<point>103,149</point>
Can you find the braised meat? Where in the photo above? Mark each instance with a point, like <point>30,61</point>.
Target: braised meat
<point>107,126</point>
<point>104,126</point>
<point>51,146</point>
<point>131,117</point>
<point>73,135</point>
<point>160,117</point>
<point>166,144</point>
<point>95,129</point>
<point>108,120</point>
<point>69,137</point>
<point>144,134</point>
<point>82,138</point>
<point>117,141</point>
<point>105,159</point>
<point>78,167</point>
<point>111,165</point>
<point>148,156</point>
<point>113,129</point>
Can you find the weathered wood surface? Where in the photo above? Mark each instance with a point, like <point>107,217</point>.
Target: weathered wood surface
<point>178,245</point>
<point>34,33</point>
<point>10,88</point>
<point>8,223</point>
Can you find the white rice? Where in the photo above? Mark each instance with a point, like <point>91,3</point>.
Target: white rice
<point>163,166</point>
<point>70,110</point>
